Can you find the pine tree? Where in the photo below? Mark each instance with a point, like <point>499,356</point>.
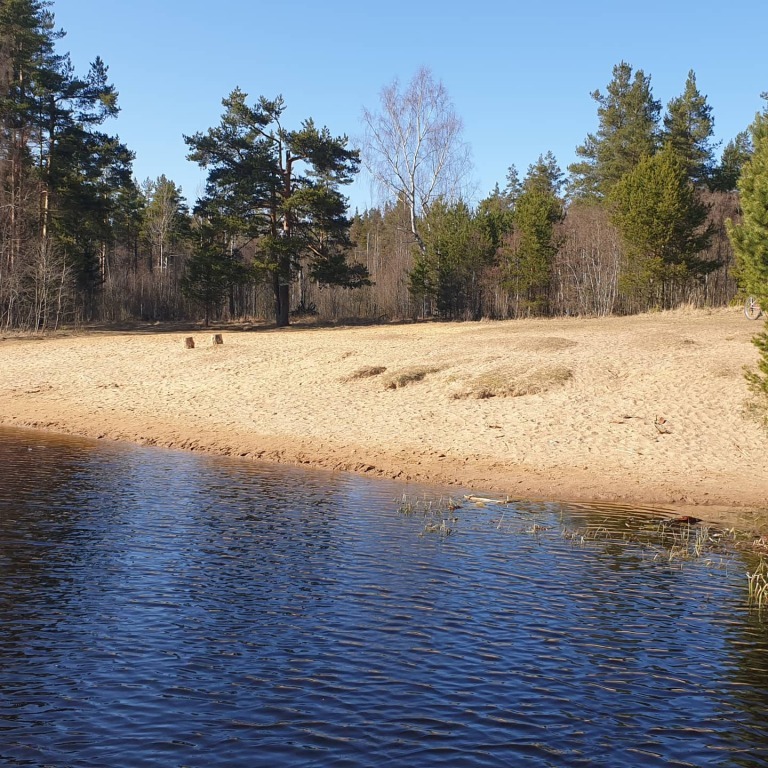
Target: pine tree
<point>529,261</point>
<point>750,241</point>
<point>758,380</point>
<point>63,175</point>
<point>750,237</point>
<point>447,269</point>
<point>688,129</point>
<point>279,191</point>
<point>495,214</point>
<point>628,131</point>
<point>664,227</point>
<point>725,177</point>
<point>209,273</point>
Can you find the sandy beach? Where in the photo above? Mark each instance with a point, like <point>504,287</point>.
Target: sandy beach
<point>648,410</point>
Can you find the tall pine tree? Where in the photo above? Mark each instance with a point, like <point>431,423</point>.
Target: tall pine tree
<point>628,131</point>
<point>529,260</point>
<point>280,192</point>
<point>750,237</point>
<point>62,176</point>
<point>664,227</point>
<point>688,129</point>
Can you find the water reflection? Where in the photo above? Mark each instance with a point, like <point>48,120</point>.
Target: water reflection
<point>163,608</point>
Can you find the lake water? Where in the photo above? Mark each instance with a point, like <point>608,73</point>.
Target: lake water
<point>164,609</point>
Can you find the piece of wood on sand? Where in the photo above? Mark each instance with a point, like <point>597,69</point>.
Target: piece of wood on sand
<point>189,342</point>
<point>217,339</point>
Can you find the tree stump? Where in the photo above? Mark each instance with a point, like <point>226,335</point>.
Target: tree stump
<point>217,339</point>
<point>189,342</point>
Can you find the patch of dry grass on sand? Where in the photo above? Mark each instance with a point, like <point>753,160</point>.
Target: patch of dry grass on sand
<point>366,372</point>
<point>409,375</point>
<point>515,382</point>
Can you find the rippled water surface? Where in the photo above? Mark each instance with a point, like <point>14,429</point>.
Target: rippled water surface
<point>166,609</point>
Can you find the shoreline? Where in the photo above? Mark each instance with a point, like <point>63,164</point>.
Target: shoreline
<point>649,410</point>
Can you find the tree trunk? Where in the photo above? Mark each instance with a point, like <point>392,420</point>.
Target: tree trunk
<point>283,316</point>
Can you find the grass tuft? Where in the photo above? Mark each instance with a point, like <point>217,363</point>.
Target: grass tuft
<point>515,382</point>
<point>757,583</point>
<point>437,513</point>
<point>410,375</point>
<point>366,372</point>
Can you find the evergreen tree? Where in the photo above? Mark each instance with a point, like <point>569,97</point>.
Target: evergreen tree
<point>209,273</point>
<point>447,270</point>
<point>726,175</point>
<point>628,131</point>
<point>28,39</point>
<point>62,174</point>
<point>664,227</point>
<point>495,215</point>
<point>750,237</point>
<point>688,128</point>
<point>538,209</point>
<point>257,193</point>
<point>750,240</point>
<point>758,380</point>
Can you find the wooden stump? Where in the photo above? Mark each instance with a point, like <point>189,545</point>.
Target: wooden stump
<point>189,342</point>
<point>217,339</point>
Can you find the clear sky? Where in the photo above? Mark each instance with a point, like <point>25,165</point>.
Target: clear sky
<point>520,75</point>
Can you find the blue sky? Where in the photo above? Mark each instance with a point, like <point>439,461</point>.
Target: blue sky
<point>520,75</point>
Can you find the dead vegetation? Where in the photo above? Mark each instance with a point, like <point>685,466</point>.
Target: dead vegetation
<point>544,344</point>
<point>515,382</point>
<point>366,372</point>
<point>410,375</point>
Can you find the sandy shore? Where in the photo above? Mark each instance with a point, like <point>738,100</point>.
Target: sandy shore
<point>644,410</point>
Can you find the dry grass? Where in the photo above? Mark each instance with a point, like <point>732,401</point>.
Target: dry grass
<point>515,382</point>
<point>366,372</point>
<point>410,375</point>
<point>755,409</point>
<point>544,344</point>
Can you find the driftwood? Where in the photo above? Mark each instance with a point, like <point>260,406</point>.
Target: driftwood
<point>217,339</point>
<point>484,500</point>
<point>189,342</point>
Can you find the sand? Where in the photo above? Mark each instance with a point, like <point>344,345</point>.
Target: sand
<point>648,410</point>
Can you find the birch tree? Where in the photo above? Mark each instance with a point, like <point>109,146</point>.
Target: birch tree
<point>165,216</point>
<point>414,148</point>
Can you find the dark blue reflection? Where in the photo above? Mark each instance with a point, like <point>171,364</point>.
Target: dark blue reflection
<point>166,609</point>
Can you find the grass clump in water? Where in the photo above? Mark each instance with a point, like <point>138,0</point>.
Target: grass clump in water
<point>757,583</point>
<point>515,382</point>
<point>437,513</point>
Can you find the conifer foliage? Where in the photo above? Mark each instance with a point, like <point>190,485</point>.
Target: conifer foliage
<point>664,226</point>
<point>276,194</point>
<point>628,131</point>
<point>640,222</point>
<point>750,236</point>
<point>538,208</point>
<point>750,239</point>
<point>60,177</point>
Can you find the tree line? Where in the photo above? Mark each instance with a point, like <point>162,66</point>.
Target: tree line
<point>639,221</point>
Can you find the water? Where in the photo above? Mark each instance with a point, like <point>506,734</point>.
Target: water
<point>167,609</point>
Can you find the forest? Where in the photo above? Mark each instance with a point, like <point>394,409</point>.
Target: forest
<point>649,217</point>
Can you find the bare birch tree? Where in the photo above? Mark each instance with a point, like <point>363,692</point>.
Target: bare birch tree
<point>414,147</point>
